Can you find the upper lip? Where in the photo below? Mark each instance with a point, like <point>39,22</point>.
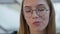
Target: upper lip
<point>36,22</point>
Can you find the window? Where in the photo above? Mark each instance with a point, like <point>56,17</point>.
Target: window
<point>9,16</point>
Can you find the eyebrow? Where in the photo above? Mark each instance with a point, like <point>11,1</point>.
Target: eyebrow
<point>36,6</point>
<point>27,7</point>
<point>40,5</point>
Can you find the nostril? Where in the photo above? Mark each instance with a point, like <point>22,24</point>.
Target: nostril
<point>35,17</point>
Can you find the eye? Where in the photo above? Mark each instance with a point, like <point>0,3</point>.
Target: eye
<point>28,11</point>
<point>41,9</point>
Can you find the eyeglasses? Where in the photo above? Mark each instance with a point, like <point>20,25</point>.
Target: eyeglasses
<point>39,10</point>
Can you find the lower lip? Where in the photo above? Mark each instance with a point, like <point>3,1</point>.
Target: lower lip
<point>36,24</point>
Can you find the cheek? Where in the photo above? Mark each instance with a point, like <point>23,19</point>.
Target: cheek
<point>28,19</point>
<point>44,15</point>
<point>27,15</point>
<point>46,18</point>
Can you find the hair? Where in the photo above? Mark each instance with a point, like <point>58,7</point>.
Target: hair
<point>51,29</point>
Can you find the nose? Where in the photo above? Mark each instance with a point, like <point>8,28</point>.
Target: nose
<point>35,15</point>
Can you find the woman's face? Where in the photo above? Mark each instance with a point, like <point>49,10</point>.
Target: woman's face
<point>36,14</point>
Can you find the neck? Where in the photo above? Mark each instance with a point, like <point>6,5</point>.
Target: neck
<point>37,32</point>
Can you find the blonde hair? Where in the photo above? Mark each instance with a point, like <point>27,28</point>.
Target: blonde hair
<point>51,29</point>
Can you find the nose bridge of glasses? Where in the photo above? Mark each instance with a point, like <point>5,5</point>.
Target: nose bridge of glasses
<point>34,12</point>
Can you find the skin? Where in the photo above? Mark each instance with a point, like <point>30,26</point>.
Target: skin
<point>31,15</point>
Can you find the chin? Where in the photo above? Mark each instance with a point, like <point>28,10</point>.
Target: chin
<point>39,29</point>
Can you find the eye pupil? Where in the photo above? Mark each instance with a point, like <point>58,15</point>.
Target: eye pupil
<point>40,9</point>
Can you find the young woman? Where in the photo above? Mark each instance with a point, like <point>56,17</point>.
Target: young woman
<point>37,17</point>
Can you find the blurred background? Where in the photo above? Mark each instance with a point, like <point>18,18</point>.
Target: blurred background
<point>10,13</point>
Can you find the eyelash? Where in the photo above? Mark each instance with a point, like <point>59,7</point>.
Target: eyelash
<point>28,11</point>
<point>40,9</point>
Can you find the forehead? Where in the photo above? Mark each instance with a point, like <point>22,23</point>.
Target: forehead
<point>34,2</point>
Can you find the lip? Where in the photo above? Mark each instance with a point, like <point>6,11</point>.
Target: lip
<point>36,23</point>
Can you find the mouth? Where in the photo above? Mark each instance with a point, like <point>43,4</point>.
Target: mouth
<point>37,23</point>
